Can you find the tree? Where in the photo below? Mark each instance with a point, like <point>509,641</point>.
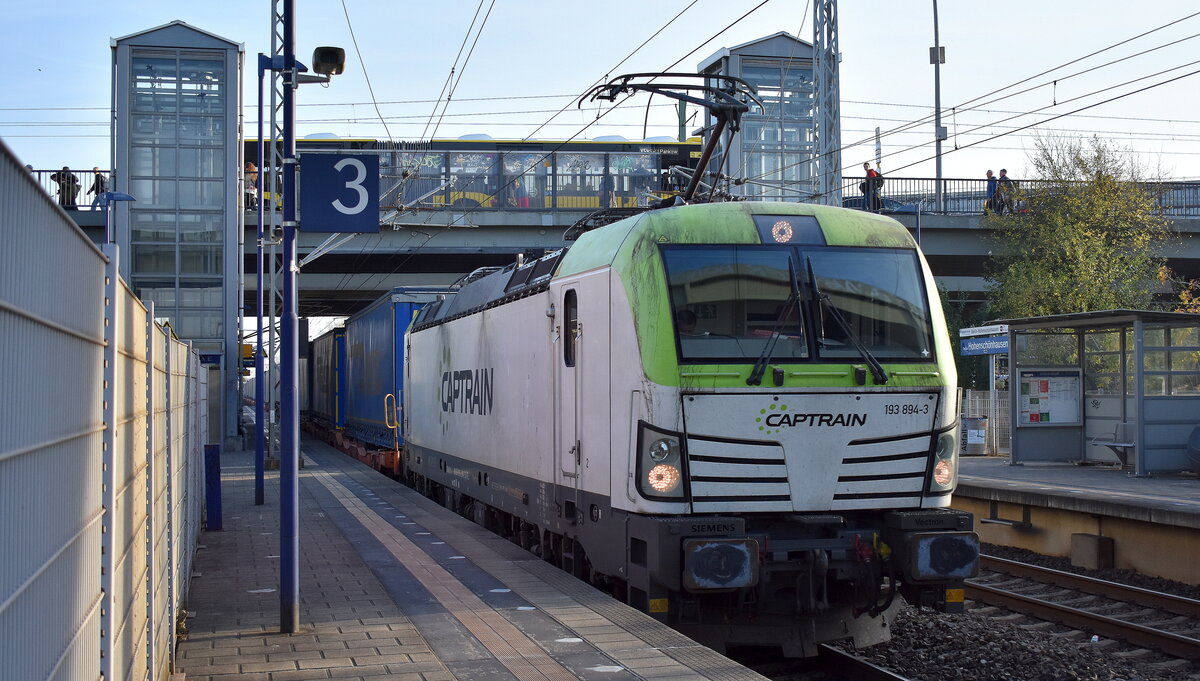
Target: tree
<point>1084,238</point>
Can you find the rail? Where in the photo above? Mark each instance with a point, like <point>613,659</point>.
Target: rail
<point>1040,606</point>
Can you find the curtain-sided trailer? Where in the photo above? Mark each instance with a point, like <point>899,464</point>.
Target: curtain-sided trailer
<point>358,381</point>
<point>328,361</point>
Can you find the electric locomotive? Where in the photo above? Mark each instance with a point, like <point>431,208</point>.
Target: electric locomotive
<point>740,418</point>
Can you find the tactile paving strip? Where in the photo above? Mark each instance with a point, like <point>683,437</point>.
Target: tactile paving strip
<point>643,649</point>
<point>510,646</point>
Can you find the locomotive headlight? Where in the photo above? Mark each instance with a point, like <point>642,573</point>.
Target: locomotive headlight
<point>945,463</point>
<point>943,474</point>
<point>664,448</point>
<point>663,478</point>
<point>660,464</point>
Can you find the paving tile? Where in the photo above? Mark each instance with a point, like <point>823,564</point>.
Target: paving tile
<point>325,663</point>
<point>268,666</point>
<point>300,675</point>
<point>295,655</point>
<point>350,628</point>
<point>363,670</point>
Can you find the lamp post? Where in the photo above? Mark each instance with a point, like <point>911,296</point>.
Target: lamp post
<point>328,61</point>
<point>264,64</point>
<point>107,198</point>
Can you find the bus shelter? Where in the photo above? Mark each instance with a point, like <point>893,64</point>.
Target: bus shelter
<point>1108,387</point>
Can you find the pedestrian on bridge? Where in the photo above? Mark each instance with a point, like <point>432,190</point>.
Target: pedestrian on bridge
<point>871,187</point>
<point>1004,193</point>
<point>989,204</point>
<point>99,186</point>
<point>68,187</point>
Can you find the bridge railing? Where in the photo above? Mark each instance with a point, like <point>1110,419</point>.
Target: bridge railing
<point>84,179</point>
<point>967,195</point>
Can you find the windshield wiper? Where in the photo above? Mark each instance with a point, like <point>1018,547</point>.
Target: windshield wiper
<point>877,371</point>
<point>760,364</point>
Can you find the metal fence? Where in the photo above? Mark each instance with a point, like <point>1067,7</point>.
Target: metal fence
<point>83,183</point>
<point>978,404</point>
<point>101,423</point>
<point>1174,199</point>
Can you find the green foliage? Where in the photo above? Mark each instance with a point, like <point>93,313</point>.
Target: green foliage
<point>960,314</point>
<point>1084,236</point>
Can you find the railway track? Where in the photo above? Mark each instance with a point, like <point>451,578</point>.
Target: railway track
<point>832,664</point>
<point>1146,619</point>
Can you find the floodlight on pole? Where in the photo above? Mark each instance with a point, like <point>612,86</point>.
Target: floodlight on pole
<point>330,63</point>
<point>107,198</point>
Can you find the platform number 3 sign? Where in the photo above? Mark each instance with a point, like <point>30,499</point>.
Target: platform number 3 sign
<point>339,193</point>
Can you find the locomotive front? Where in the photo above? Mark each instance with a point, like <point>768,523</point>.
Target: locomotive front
<point>796,444</point>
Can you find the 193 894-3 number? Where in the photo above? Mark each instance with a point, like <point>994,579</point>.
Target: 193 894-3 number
<point>906,408</point>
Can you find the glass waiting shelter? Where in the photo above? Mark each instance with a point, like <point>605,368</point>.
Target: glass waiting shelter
<point>1111,387</point>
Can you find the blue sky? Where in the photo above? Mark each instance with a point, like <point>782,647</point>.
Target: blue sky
<point>53,107</point>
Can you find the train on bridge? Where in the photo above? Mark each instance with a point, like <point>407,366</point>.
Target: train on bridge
<point>478,172</point>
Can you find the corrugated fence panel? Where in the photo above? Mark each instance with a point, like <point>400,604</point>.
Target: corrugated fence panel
<point>129,496</point>
<point>50,435</point>
<point>53,439</point>
<point>162,345</point>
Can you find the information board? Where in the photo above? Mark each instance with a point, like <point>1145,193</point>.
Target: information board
<point>1049,397</point>
<point>339,192</point>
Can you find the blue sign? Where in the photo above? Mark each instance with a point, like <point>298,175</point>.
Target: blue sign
<point>985,345</point>
<point>339,193</point>
<point>213,359</point>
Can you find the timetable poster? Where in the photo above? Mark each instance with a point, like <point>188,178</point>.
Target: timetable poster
<point>1049,397</point>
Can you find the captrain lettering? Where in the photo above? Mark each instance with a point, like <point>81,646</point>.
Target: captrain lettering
<point>468,391</point>
<point>811,420</point>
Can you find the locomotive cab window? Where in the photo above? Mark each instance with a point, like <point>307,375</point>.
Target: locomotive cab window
<point>880,295</point>
<point>825,303</point>
<point>570,327</point>
<point>728,301</point>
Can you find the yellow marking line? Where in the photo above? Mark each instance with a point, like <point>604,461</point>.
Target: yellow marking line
<point>516,651</point>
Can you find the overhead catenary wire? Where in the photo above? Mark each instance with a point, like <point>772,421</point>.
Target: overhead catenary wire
<point>1062,115</point>
<point>963,106</point>
<point>586,126</point>
<point>453,67</point>
<point>458,77</point>
<point>1019,115</point>
<point>363,65</point>
<point>610,70</point>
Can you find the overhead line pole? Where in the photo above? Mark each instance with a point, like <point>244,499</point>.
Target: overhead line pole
<point>259,378</point>
<point>289,449</point>
<point>937,57</point>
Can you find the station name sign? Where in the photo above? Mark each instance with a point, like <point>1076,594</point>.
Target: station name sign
<point>992,330</point>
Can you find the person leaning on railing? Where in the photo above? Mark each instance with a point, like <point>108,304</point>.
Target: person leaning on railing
<point>68,188</point>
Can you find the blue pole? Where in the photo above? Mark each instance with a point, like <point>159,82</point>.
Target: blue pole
<point>289,450</point>
<point>212,487</point>
<point>259,411</point>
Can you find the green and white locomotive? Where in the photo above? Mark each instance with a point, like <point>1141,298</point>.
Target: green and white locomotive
<point>738,417</point>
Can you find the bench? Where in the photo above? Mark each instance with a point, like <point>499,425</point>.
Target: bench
<point>1120,441</point>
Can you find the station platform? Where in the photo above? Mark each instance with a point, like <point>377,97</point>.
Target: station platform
<point>394,586</point>
<point>1150,521</point>
<point>1106,490</point>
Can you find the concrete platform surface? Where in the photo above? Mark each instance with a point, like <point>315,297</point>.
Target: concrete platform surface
<point>393,586</point>
<point>1105,490</point>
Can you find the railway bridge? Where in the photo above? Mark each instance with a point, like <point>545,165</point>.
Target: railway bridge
<point>437,245</point>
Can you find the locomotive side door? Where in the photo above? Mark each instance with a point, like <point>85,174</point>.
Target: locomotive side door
<point>567,391</point>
